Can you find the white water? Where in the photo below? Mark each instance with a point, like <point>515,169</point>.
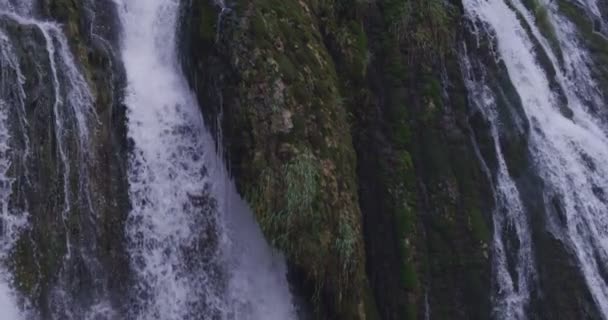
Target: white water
<point>12,223</point>
<point>73,124</point>
<point>195,248</point>
<point>512,296</point>
<point>590,5</point>
<point>571,155</point>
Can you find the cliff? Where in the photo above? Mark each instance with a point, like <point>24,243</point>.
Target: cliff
<point>69,180</point>
<point>350,128</point>
<point>346,127</point>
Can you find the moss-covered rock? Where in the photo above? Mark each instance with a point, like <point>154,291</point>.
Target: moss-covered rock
<point>286,129</point>
<point>333,113</point>
<point>60,239</point>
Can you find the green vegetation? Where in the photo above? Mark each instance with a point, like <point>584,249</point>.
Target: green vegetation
<point>298,214</point>
<point>545,25</point>
<point>424,26</point>
<point>313,81</point>
<point>298,166</point>
<point>346,244</point>
<point>424,31</point>
<point>302,179</point>
<point>596,43</point>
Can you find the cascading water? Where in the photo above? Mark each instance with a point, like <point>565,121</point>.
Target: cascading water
<point>193,246</point>
<point>12,222</point>
<point>195,249</point>
<point>509,218</point>
<point>569,149</point>
<point>49,186</point>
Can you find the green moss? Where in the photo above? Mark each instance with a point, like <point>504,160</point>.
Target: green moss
<point>353,43</point>
<point>302,182</point>
<point>398,16</point>
<point>479,227</point>
<point>594,41</point>
<point>208,23</point>
<point>288,70</point>
<point>544,24</point>
<point>25,279</point>
<point>410,277</point>
<point>432,89</point>
<point>346,245</point>
<point>515,151</point>
<point>422,26</point>
<point>258,28</point>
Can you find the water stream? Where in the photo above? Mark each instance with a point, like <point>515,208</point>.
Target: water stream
<point>194,245</point>
<point>570,152</point>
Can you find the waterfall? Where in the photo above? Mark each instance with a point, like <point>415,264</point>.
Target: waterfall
<point>569,149</point>
<point>509,218</point>
<point>195,248</point>
<point>99,221</point>
<point>12,222</point>
<point>46,169</point>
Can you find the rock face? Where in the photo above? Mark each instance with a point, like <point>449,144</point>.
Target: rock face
<point>70,162</point>
<point>346,127</point>
<point>263,69</point>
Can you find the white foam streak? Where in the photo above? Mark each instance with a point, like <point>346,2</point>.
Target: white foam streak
<point>512,296</point>
<point>194,244</point>
<point>73,119</point>
<point>571,154</point>
<point>8,304</point>
<point>12,222</point>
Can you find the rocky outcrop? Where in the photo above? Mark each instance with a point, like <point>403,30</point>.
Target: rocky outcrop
<point>347,130</point>
<point>347,127</point>
<point>263,70</point>
<point>69,242</point>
